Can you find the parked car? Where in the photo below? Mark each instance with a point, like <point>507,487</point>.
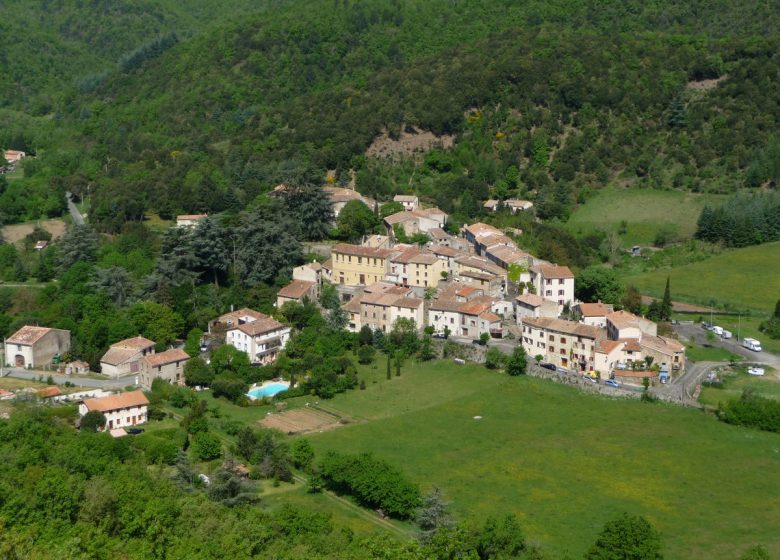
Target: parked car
<point>545,365</point>
<point>589,378</point>
<point>478,342</point>
<point>753,370</point>
<point>134,431</point>
<point>438,335</point>
<point>612,383</point>
<point>706,326</point>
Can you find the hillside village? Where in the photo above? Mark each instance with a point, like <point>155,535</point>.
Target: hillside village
<point>473,287</point>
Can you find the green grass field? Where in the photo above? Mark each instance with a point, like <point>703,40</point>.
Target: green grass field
<point>711,354</point>
<point>566,462</point>
<point>644,210</point>
<point>746,278</point>
<point>767,386</point>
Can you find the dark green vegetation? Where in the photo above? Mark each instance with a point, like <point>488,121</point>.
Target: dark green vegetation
<point>752,410</point>
<point>561,99</point>
<point>742,220</point>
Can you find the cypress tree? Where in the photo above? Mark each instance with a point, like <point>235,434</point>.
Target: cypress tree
<point>666,303</point>
<point>389,374</point>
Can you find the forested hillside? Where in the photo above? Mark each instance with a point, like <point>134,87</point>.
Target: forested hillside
<point>546,100</point>
<point>47,46</point>
<point>562,100</point>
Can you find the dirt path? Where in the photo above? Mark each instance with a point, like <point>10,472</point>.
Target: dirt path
<point>681,307</point>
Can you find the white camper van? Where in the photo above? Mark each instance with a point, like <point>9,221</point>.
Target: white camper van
<point>725,334</point>
<point>752,344</point>
<point>717,330</point>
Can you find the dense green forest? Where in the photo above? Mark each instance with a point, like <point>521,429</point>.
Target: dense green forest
<point>546,100</point>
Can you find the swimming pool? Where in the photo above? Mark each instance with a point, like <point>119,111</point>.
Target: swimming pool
<point>268,390</point>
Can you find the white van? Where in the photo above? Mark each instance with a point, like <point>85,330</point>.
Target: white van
<point>725,334</point>
<point>752,344</point>
<point>717,330</point>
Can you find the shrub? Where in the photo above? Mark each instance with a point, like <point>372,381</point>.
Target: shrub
<point>93,421</point>
<point>494,358</point>
<point>206,446</point>
<point>753,411</point>
<point>231,388</point>
<point>366,354</point>
<point>373,482</point>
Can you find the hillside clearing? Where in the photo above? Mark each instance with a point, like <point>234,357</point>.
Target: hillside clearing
<point>645,211</point>
<point>747,278</point>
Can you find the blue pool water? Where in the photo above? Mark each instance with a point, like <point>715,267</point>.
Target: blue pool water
<point>267,391</point>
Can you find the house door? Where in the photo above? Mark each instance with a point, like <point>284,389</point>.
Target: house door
<point>19,359</point>
<point>362,278</point>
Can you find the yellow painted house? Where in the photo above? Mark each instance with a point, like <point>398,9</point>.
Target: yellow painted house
<point>355,265</point>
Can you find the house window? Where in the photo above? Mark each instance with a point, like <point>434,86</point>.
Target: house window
<point>548,293</point>
<point>563,340</point>
<point>548,282</point>
<point>560,292</point>
<point>552,338</point>
<point>360,260</point>
<point>563,352</point>
<point>560,281</point>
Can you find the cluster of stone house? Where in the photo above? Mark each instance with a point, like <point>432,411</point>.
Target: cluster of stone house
<point>605,344</point>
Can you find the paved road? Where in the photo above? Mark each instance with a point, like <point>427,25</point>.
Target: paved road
<point>77,380</point>
<point>78,219</point>
<point>696,332</point>
<point>682,388</point>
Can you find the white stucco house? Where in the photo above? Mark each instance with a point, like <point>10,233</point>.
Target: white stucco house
<point>121,411</point>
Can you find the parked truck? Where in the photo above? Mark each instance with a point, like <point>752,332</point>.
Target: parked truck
<point>752,344</point>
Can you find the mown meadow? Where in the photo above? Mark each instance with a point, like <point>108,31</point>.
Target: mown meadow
<point>566,462</point>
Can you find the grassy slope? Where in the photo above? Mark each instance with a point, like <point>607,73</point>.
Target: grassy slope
<point>645,211</point>
<point>745,278</point>
<point>566,462</point>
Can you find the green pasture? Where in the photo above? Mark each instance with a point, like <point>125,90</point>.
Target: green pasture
<point>747,278</point>
<point>566,462</point>
<point>734,383</point>
<point>645,211</point>
<point>710,354</point>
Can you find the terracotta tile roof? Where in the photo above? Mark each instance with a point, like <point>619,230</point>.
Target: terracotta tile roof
<point>493,239</point>
<point>662,344</point>
<point>352,305</point>
<point>404,198</point>
<point>445,251</point>
<point>340,194</point>
<point>400,217</point>
<point>118,355</point>
<point>438,233</point>
<point>314,265</point>
<point>117,402</point>
<point>296,289</point>
<point>360,251</point>
<point>595,309</point>
<point>490,203</point>
<point>234,316</point>
<point>509,255</point>
<point>479,275</point>
<point>327,264</point>
<point>631,344</point>
<point>48,392</point>
<point>167,357</point>
<point>466,291</point>
<point>489,316</point>
<point>137,343</point>
<point>408,302</point>
<point>480,264</point>
<point>605,345</point>
<point>476,306</point>
<point>260,326</point>
<point>566,327</point>
<point>28,335</point>
<point>553,271</point>
<point>445,305</point>
<point>479,229</point>
<point>530,300</point>
<point>415,256</point>
<point>623,320</point>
